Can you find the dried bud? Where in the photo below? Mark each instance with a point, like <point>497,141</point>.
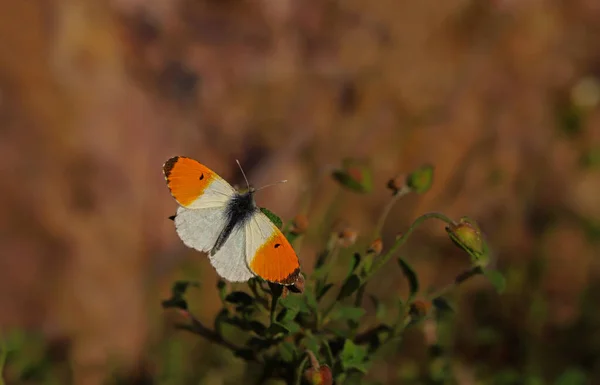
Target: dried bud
<point>347,237</point>
<point>396,184</point>
<point>284,292</point>
<point>299,224</point>
<point>376,247</point>
<point>466,235</point>
<point>298,286</point>
<point>317,374</point>
<point>420,308</point>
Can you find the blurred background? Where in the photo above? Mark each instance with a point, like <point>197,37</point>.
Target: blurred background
<point>501,96</point>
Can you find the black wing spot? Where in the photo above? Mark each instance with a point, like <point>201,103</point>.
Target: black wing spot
<point>277,245</point>
<point>201,176</point>
<point>172,217</point>
<point>168,166</point>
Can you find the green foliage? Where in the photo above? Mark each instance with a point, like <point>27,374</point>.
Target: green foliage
<point>274,327</point>
<point>274,218</point>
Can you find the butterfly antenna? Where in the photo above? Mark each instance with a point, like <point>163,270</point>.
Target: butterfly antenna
<point>272,184</point>
<point>243,173</point>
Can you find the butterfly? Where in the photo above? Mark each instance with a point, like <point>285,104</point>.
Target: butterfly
<point>241,241</point>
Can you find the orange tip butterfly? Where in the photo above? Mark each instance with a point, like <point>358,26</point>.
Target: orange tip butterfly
<point>213,217</point>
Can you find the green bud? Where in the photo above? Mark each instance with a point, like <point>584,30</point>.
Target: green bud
<point>466,235</point>
<point>421,179</point>
<point>355,175</point>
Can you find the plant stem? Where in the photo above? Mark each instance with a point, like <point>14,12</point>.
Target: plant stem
<point>462,277</point>
<point>276,291</point>
<point>300,370</point>
<point>3,354</point>
<point>387,209</point>
<point>198,328</point>
<point>402,240</point>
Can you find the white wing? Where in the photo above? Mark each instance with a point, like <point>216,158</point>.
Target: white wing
<point>230,260</point>
<point>200,228</point>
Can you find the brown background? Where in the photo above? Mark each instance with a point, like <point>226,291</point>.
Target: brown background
<point>96,95</point>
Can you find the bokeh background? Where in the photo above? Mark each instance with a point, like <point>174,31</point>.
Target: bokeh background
<point>501,96</point>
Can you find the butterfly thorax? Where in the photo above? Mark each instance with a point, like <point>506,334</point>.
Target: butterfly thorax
<point>239,210</point>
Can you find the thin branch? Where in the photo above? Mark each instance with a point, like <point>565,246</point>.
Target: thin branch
<point>197,327</point>
<point>381,261</point>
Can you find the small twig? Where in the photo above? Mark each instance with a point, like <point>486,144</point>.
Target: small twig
<point>405,190</point>
<point>381,261</point>
<point>198,328</point>
<point>462,277</point>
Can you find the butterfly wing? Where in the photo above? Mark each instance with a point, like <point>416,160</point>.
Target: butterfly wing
<point>268,253</point>
<point>230,259</point>
<point>203,196</point>
<point>195,186</point>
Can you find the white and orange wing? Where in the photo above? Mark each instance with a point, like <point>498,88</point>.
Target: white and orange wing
<point>195,186</point>
<point>268,253</point>
<point>202,196</point>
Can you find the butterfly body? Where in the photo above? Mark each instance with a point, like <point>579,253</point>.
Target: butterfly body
<point>213,217</point>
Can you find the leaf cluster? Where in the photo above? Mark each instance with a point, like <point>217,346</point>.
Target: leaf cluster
<point>325,319</point>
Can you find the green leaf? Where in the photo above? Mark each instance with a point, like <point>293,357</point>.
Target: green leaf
<point>287,351</point>
<point>295,303</point>
<point>353,356</point>
<point>178,303</point>
<point>180,287</point>
<point>240,298</point>
<point>354,263</point>
<point>274,218</point>
<point>276,329</point>
<point>324,291</point>
<point>287,314</point>
<point>257,327</point>
<point>177,292</point>
<point>222,317</point>
<point>572,376</point>
<point>355,175</point>
<point>222,288</point>
<point>312,343</point>
<point>311,299</point>
<point>408,271</point>
<point>380,310</point>
<point>442,306</point>
<point>347,313</point>
<point>497,279</point>
<point>350,286</point>
<point>421,179</point>
<point>246,354</point>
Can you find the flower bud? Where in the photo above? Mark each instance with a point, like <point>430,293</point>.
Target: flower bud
<point>421,179</point>
<point>466,235</point>
<point>317,374</point>
<point>420,308</point>
<point>355,175</point>
<point>299,224</point>
<point>347,237</point>
<point>376,247</point>
<point>298,286</point>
